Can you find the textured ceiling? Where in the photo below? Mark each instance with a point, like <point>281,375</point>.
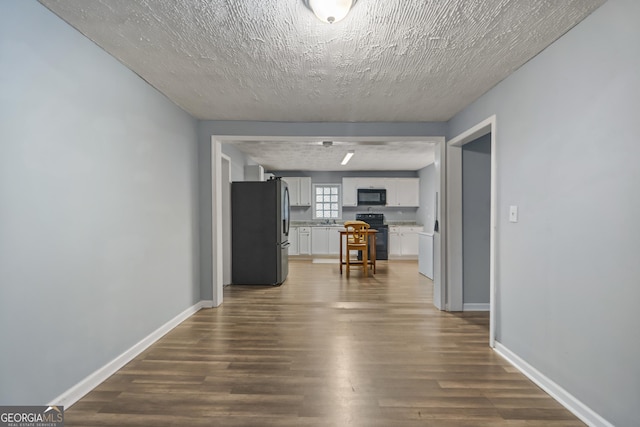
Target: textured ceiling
<point>273,60</point>
<point>311,154</point>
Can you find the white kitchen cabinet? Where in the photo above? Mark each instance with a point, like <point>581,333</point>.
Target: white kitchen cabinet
<point>403,192</point>
<point>299,190</point>
<point>319,241</point>
<point>334,240</point>
<point>425,254</point>
<point>305,191</point>
<point>304,240</point>
<point>410,241</point>
<point>350,191</point>
<point>403,240</point>
<point>293,241</point>
<point>325,240</point>
<point>374,182</point>
<point>395,242</point>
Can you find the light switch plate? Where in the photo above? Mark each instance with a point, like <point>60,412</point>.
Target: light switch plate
<point>513,213</point>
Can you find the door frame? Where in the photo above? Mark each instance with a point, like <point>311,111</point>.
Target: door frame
<point>217,245</point>
<point>217,262</point>
<point>454,220</point>
<point>440,291</point>
<point>226,218</point>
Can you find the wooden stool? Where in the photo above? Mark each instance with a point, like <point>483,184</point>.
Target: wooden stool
<point>357,240</point>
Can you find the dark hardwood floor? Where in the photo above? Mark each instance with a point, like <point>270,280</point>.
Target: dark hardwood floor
<point>323,350</point>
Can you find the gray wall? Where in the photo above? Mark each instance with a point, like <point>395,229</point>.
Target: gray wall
<point>476,220</point>
<point>238,161</point>
<point>426,212</point>
<point>98,207</point>
<point>567,153</point>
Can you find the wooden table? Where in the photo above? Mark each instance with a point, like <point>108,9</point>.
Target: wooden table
<point>371,235</point>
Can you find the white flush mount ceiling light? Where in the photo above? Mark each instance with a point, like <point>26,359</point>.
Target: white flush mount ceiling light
<point>347,157</point>
<point>330,10</point>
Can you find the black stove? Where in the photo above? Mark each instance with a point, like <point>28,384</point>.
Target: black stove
<point>376,222</point>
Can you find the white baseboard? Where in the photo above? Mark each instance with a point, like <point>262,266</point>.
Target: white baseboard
<point>403,257</point>
<point>579,409</point>
<point>474,306</point>
<point>76,392</point>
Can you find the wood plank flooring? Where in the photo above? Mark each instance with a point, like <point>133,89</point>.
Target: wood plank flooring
<point>323,350</point>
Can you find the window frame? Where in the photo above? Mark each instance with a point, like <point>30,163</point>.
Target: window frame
<point>314,201</point>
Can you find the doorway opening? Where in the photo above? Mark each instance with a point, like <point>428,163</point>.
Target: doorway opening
<point>476,223</point>
<point>217,197</point>
<point>455,220</point>
<point>225,177</point>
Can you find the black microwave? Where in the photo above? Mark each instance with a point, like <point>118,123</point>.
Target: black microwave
<point>372,197</point>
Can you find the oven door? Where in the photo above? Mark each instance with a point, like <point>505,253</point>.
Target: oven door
<point>382,243</point>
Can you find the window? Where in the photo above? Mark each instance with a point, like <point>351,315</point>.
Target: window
<point>326,201</point>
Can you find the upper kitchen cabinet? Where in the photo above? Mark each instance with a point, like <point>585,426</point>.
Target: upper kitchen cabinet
<point>349,191</point>
<point>401,192</point>
<point>404,192</point>
<point>299,190</point>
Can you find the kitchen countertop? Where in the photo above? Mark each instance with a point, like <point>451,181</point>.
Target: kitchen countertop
<point>341,223</point>
<point>315,224</point>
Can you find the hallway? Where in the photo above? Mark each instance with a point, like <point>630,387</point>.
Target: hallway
<point>323,350</point>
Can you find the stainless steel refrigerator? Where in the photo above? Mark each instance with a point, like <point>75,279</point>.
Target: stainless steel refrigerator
<point>260,212</point>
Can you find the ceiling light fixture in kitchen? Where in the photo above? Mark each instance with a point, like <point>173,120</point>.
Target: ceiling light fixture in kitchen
<point>347,157</point>
<point>330,11</point>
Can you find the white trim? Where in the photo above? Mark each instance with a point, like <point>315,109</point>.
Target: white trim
<point>440,236</point>
<point>454,237</point>
<point>83,387</point>
<point>474,133</point>
<point>474,306</point>
<point>454,168</point>
<point>225,215</point>
<point>566,399</point>
<point>493,233</point>
<point>217,262</point>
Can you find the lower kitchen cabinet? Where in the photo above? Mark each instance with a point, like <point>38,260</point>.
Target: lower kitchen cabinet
<point>403,240</point>
<point>293,241</point>
<point>395,242</point>
<point>325,240</point>
<point>334,240</point>
<point>304,240</point>
<point>300,241</point>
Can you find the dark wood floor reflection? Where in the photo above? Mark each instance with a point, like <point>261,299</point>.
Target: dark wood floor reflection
<point>323,350</point>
